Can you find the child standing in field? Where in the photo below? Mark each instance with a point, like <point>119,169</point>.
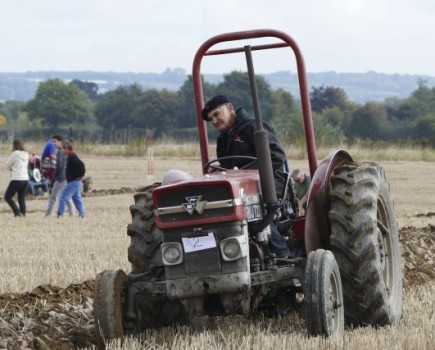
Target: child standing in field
<point>17,164</point>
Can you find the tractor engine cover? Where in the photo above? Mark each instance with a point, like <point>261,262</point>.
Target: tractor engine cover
<point>210,199</point>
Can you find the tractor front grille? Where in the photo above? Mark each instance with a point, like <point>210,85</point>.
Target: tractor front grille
<point>172,206</point>
<point>205,262</point>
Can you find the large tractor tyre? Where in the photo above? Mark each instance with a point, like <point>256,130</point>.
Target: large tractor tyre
<point>365,242</point>
<point>109,305</point>
<point>144,250</point>
<point>323,295</point>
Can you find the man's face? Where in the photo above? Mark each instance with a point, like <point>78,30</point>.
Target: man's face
<point>64,150</point>
<point>57,143</point>
<point>222,117</point>
<point>299,179</point>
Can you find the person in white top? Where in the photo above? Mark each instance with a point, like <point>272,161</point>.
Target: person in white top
<point>17,164</point>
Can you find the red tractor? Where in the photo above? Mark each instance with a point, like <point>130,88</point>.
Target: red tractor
<point>199,244</point>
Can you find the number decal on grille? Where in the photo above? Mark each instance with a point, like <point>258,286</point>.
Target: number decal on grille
<point>254,212</point>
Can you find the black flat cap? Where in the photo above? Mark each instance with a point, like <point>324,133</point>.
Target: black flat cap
<point>215,102</point>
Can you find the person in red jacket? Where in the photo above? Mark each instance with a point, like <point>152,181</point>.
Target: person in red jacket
<point>74,172</point>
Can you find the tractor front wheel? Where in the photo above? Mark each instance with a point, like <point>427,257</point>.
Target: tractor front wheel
<point>323,295</point>
<point>109,305</point>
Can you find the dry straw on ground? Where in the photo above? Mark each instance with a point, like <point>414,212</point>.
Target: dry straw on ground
<point>47,268</point>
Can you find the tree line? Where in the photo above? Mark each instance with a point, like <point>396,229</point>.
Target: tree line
<point>129,111</point>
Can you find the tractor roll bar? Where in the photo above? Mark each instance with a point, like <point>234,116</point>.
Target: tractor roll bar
<point>253,34</point>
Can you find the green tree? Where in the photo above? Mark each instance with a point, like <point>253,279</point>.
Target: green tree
<point>11,110</point>
<point>89,88</point>
<point>187,113</point>
<point>370,122</point>
<point>236,87</point>
<point>328,126</point>
<point>116,107</point>
<point>424,127</point>
<point>420,103</point>
<point>157,110</point>
<point>328,97</point>
<point>56,103</point>
<point>333,116</point>
<point>410,109</point>
<point>287,116</point>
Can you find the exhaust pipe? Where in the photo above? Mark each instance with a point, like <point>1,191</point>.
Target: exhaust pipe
<point>261,141</point>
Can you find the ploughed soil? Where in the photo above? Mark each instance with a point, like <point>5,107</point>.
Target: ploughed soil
<point>50,317</point>
<point>95,192</point>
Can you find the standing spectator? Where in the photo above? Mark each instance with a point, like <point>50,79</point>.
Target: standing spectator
<point>302,186</point>
<point>59,178</point>
<point>75,171</point>
<point>48,161</point>
<point>49,150</point>
<point>17,164</point>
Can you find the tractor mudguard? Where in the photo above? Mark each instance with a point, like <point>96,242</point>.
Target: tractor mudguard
<point>317,227</point>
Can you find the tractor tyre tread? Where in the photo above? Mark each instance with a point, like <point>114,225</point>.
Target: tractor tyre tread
<point>145,237</point>
<point>365,242</point>
<point>323,295</point>
<point>108,305</point>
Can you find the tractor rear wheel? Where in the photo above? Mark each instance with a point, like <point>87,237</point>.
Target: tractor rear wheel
<point>109,305</point>
<point>365,242</point>
<point>145,236</point>
<point>323,295</point>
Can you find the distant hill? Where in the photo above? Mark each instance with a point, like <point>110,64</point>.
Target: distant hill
<point>360,87</point>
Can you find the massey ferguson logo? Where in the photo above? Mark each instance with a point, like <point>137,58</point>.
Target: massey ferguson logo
<point>194,203</point>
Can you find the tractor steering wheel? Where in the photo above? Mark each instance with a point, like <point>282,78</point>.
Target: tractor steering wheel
<point>217,167</point>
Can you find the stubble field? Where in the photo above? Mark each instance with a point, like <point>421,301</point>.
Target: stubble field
<point>47,267</point>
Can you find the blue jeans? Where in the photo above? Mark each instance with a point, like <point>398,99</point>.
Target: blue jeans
<point>56,191</point>
<point>72,190</point>
<point>277,244</point>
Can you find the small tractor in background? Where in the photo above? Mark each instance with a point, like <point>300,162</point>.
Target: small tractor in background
<point>199,244</point>
<point>40,181</point>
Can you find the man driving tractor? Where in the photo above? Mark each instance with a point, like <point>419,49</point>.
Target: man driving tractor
<point>236,138</point>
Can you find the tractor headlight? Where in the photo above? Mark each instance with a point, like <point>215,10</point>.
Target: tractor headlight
<point>172,253</point>
<point>233,248</point>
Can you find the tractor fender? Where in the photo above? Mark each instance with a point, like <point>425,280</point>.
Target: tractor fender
<point>317,227</point>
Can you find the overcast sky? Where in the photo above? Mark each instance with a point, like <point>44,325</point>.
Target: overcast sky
<point>386,36</point>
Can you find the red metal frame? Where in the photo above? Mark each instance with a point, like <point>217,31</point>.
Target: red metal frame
<point>253,34</point>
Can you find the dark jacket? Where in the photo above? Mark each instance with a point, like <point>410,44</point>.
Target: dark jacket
<point>75,168</point>
<point>240,141</point>
<point>59,173</point>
